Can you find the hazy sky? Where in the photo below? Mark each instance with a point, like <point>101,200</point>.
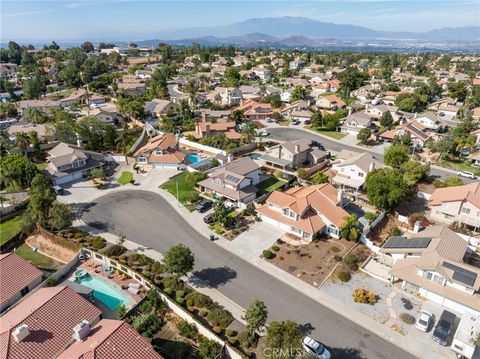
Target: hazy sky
<point>93,19</point>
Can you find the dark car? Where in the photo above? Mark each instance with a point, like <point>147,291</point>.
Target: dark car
<point>307,122</point>
<point>208,218</point>
<point>444,327</point>
<point>203,206</point>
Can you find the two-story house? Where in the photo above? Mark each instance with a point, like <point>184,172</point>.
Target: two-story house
<point>330,102</point>
<point>130,85</point>
<point>457,204</point>
<point>161,152</point>
<point>226,96</point>
<point>68,163</point>
<point>207,129</point>
<point>351,168</point>
<point>19,277</point>
<point>77,97</point>
<point>235,181</point>
<point>255,110</point>
<point>434,264</point>
<point>158,107</point>
<point>306,211</point>
<point>418,133</point>
<point>432,121</point>
<point>355,122</point>
<point>289,156</point>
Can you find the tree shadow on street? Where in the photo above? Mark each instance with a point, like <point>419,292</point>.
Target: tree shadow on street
<point>212,277</point>
<point>306,328</point>
<point>346,353</point>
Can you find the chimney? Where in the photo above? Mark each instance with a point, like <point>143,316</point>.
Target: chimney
<point>207,129</point>
<point>349,111</point>
<point>340,197</point>
<point>20,333</point>
<point>371,166</point>
<point>415,116</point>
<point>416,227</point>
<point>81,330</point>
<point>79,141</point>
<point>229,158</point>
<point>297,148</point>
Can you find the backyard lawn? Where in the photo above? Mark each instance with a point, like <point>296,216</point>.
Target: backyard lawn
<point>269,185</point>
<point>38,260</point>
<point>333,134</point>
<point>9,228</point>
<point>186,187</point>
<point>125,178</point>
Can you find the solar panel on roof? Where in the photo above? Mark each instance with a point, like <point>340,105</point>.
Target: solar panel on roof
<point>233,178</point>
<point>461,275</point>
<point>404,242</point>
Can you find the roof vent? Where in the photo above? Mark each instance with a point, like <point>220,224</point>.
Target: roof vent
<point>20,333</point>
<point>81,330</point>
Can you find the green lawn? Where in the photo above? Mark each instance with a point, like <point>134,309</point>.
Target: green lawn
<point>38,260</point>
<point>333,134</point>
<point>125,178</point>
<point>9,228</point>
<point>41,166</point>
<point>186,187</point>
<point>284,122</point>
<point>269,185</point>
<point>459,165</point>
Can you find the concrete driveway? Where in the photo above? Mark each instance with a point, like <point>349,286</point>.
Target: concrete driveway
<point>146,218</point>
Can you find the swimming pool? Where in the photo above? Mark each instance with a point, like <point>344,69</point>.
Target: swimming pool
<point>255,156</point>
<point>105,292</point>
<point>193,158</point>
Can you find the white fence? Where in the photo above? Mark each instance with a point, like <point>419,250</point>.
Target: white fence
<point>364,239</point>
<point>102,259</point>
<point>114,158</point>
<point>200,147</point>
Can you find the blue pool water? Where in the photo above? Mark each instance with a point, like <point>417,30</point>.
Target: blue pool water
<point>193,158</point>
<point>105,292</point>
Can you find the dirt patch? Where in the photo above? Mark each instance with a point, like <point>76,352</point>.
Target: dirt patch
<point>311,262</point>
<point>381,231</point>
<point>411,204</point>
<point>48,248</point>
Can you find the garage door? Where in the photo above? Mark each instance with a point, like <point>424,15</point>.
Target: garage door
<point>165,165</point>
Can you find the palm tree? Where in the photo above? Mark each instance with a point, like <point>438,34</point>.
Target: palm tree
<point>34,115</point>
<point>351,228</point>
<point>249,131</point>
<point>204,82</point>
<point>191,88</point>
<point>122,141</point>
<point>23,141</point>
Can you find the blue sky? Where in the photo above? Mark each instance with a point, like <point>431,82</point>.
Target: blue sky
<point>94,19</point>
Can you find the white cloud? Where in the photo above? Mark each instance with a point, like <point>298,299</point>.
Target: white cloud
<point>27,13</point>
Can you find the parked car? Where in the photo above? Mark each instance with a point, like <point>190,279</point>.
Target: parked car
<point>264,133</point>
<point>58,190</point>
<point>204,206</point>
<point>424,321</point>
<point>295,122</point>
<point>307,122</point>
<point>208,218</point>
<point>467,174</point>
<point>315,349</point>
<point>464,152</point>
<point>444,327</point>
<point>270,120</point>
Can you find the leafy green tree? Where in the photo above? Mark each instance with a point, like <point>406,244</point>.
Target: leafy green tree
<point>91,131</point>
<point>146,324</point>
<point>179,260</point>
<point>208,349</point>
<point>414,171</point>
<point>283,340</point>
<point>17,168</point>
<point>256,316</point>
<point>34,87</point>
<point>386,120</point>
<point>443,146</point>
<point>22,141</point>
<point>249,131</point>
<point>109,135</point>
<point>221,213</point>
<point>350,229</point>
<point>60,215</point>
<point>319,178</point>
<point>35,115</point>
<point>299,93</point>
<point>411,102</point>
<point>396,155</point>
<point>41,199</point>
<point>8,110</point>
<point>237,116</point>
<point>385,188</point>
<point>232,77</point>
<point>87,47</point>
<point>35,142</point>
<point>352,78</point>
<point>317,119</point>
<point>364,135</point>
<point>458,90</point>
<point>120,311</point>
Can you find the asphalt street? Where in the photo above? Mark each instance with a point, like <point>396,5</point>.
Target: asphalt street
<point>291,134</point>
<point>147,219</point>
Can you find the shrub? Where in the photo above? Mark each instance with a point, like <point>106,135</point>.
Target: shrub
<point>168,291</point>
<point>232,341</point>
<point>200,300</point>
<point>180,300</point>
<point>335,249</point>
<point>394,231</point>
<point>190,303</point>
<point>220,316</point>
<point>180,293</point>
<point>267,254</point>
<point>217,329</point>
<point>361,295</point>
<point>275,248</point>
<point>172,283</point>
<point>407,318</point>
<point>351,260</point>
<point>97,242</point>
<point>79,235</point>
<point>280,241</point>
<point>186,329</point>
<point>245,339</point>
<point>344,276</point>
<point>229,332</point>
<point>115,250</point>
<point>146,324</point>
<point>147,274</point>
<point>203,313</point>
<point>208,348</point>
<point>337,257</point>
<point>51,281</point>
<point>370,217</point>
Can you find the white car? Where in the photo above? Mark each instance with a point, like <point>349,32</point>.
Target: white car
<point>264,133</point>
<point>424,321</point>
<point>467,174</point>
<point>315,349</point>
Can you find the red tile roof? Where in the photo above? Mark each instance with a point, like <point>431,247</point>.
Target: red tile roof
<point>111,339</point>
<point>51,314</point>
<point>15,273</point>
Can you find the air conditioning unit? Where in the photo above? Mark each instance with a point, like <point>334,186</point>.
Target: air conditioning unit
<point>20,333</point>
<point>81,330</point>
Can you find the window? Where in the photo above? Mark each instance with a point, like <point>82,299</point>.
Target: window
<point>360,174</point>
<point>296,230</point>
<point>465,210</point>
<point>448,216</point>
<point>98,256</point>
<point>24,291</point>
<point>334,231</point>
